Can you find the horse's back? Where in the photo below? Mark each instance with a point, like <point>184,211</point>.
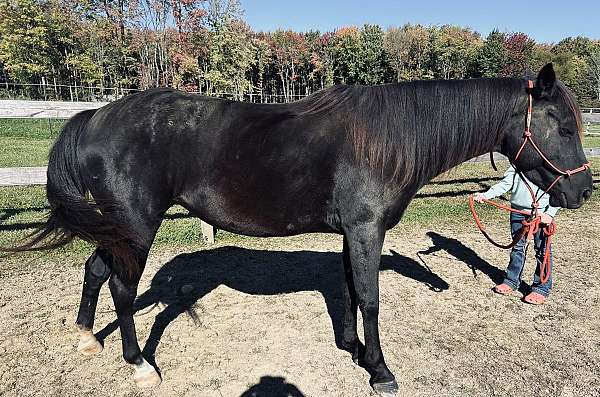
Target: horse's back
<point>252,169</point>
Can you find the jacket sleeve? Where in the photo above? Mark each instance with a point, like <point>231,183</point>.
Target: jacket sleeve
<point>503,186</point>
<point>550,210</point>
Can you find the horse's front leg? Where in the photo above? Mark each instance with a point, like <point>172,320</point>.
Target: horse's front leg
<point>365,242</point>
<point>97,271</point>
<point>350,341</point>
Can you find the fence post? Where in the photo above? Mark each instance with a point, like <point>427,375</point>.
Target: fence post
<point>208,232</point>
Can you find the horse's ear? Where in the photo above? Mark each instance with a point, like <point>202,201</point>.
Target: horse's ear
<point>544,84</point>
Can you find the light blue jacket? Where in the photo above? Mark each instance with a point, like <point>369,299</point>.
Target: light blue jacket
<point>520,197</point>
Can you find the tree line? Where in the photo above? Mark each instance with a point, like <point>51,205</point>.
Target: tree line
<point>205,46</point>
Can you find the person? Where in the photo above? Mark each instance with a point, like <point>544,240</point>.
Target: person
<point>521,199</point>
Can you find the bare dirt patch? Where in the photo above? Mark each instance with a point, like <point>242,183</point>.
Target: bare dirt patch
<point>261,317</point>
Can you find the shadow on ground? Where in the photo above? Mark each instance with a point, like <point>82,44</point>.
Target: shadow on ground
<point>181,282</point>
<point>273,387</point>
<point>464,254</point>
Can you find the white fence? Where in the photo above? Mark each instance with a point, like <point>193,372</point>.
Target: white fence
<point>591,116</point>
<point>44,109</point>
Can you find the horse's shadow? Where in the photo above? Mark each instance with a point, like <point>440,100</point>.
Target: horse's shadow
<point>180,283</point>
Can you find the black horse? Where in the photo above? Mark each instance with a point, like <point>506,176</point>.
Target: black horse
<point>346,160</point>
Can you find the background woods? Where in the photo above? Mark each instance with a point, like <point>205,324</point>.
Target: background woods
<point>205,46</point>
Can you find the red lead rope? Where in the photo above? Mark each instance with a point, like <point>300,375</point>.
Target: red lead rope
<point>532,224</point>
<point>530,227</point>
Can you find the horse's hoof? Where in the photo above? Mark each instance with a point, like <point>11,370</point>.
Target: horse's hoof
<point>88,344</point>
<point>145,376</point>
<point>386,389</point>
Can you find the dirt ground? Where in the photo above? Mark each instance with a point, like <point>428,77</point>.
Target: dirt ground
<point>261,319</point>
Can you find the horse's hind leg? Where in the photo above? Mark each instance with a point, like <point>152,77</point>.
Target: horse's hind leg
<point>97,271</point>
<point>123,284</point>
<point>124,291</point>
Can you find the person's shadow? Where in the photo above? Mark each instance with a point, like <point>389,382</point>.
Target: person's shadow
<point>270,386</point>
<point>464,254</point>
<point>180,283</point>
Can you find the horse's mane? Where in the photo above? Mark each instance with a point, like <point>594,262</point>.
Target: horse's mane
<point>569,99</point>
<point>415,130</point>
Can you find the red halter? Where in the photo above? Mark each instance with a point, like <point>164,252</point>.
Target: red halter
<point>533,224</point>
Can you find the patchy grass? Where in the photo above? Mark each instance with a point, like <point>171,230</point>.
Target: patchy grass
<point>590,141</point>
<point>26,142</point>
<point>31,128</point>
<point>593,128</point>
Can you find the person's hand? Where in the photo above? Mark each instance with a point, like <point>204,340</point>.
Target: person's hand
<point>479,197</point>
<point>546,219</point>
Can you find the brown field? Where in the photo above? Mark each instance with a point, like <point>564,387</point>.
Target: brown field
<point>259,317</point>
<point>265,309</point>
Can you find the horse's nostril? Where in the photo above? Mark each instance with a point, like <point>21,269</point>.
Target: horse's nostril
<point>587,193</point>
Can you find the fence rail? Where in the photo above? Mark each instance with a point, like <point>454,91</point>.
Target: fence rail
<point>44,109</point>
<point>590,110</point>
<point>36,176</point>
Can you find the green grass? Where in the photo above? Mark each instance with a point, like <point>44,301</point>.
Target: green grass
<point>593,128</point>
<point>591,141</point>
<point>24,152</point>
<point>26,142</point>
<point>31,128</point>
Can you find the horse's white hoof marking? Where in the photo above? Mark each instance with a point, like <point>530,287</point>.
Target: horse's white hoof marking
<point>145,375</point>
<point>88,344</point>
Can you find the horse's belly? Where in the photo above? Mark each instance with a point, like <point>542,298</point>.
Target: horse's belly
<point>255,217</point>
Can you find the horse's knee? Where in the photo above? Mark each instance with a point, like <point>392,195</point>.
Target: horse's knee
<point>97,271</point>
<point>369,308</point>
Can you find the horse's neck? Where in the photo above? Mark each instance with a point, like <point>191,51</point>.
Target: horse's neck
<point>460,152</point>
<point>472,153</point>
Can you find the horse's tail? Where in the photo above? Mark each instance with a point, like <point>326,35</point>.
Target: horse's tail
<point>71,213</point>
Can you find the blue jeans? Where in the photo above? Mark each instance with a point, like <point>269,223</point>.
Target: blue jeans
<point>517,258</point>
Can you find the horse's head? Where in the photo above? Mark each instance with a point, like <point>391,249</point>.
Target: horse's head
<point>556,131</point>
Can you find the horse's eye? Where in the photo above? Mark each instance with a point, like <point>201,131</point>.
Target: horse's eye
<point>566,132</point>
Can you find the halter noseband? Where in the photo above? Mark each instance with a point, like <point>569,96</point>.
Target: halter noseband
<point>527,138</point>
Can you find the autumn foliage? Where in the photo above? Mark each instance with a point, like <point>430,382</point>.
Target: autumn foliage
<point>205,46</point>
